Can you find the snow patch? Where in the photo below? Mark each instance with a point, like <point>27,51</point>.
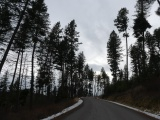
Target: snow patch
<point>135,109</point>
<point>65,110</point>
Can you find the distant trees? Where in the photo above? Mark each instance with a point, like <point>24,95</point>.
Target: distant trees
<point>105,78</point>
<point>114,54</point>
<point>88,80</point>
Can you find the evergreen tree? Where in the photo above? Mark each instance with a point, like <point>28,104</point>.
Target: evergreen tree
<point>80,64</point>
<point>153,56</point>
<point>5,20</point>
<point>38,17</point>
<point>105,77</point>
<point>80,70</point>
<point>20,18</point>
<point>114,54</point>
<point>71,36</point>
<point>136,58</point>
<point>140,26</point>
<point>21,43</point>
<point>121,22</point>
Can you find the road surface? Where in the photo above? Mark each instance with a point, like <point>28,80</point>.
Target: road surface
<point>95,109</point>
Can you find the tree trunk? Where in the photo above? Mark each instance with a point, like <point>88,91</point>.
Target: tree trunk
<point>71,72</point>
<point>13,36</point>
<point>23,69</point>
<point>26,77</point>
<point>11,86</point>
<point>20,71</point>
<point>32,77</point>
<point>62,83</point>
<point>143,51</point>
<point>127,54</point>
<point>18,102</point>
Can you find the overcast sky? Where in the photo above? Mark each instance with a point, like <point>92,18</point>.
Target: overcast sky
<point>94,19</point>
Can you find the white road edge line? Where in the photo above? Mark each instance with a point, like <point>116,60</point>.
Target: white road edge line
<point>135,109</point>
<point>80,101</point>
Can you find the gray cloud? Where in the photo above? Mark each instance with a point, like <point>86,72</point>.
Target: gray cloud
<point>94,19</point>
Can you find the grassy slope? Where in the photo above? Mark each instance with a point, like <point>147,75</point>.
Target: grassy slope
<point>144,97</point>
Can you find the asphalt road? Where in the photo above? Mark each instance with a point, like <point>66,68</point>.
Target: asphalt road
<point>95,109</point>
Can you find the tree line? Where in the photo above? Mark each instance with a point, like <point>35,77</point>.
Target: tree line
<point>144,53</point>
<point>24,30</point>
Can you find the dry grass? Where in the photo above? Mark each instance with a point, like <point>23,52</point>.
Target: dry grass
<point>139,97</point>
<point>38,112</point>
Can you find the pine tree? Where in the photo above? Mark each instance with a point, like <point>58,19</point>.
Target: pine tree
<point>38,17</point>
<point>121,22</point>
<point>80,64</point>
<point>71,36</point>
<point>80,70</point>
<point>114,54</point>
<point>5,20</point>
<point>153,56</point>
<point>136,58</point>
<point>141,25</point>
<point>20,18</point>
<point>20,44</point>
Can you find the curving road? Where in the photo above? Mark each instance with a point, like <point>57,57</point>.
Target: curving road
<point>94,109</point>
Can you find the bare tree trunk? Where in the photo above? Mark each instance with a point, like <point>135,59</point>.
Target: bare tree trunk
<point>11,86</point>
<point>18,102</point>
<point>20,71</point>
<point>32,77</point>
<point>62,83</point>
<point>23,69</point>
<point>13,36</point>
<point>26,77</point>
<point>143,51</point>
<point>127,54</point>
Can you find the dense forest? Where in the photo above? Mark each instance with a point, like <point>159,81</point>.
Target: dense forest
<point>48,64</point>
